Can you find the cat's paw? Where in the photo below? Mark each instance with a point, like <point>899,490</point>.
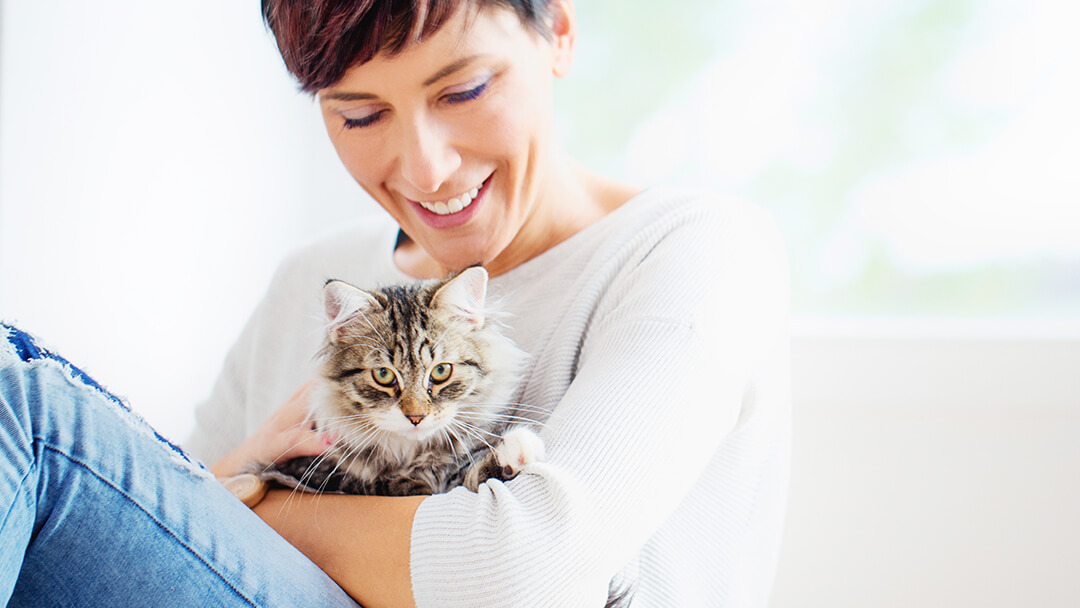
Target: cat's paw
<point>519,447</point>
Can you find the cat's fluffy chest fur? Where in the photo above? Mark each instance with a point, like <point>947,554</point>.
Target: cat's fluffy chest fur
<point>414,393</point>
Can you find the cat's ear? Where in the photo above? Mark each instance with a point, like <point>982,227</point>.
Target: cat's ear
<point>343,303</point>
<point>463,295</point>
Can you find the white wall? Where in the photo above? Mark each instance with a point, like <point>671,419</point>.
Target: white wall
<point>934,472</point>
<point>156,163</point>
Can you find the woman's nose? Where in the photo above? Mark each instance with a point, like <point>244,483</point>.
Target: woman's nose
<point>427,157</point>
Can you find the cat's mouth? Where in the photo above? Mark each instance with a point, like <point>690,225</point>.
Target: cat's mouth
<point>415,434</point>
<point>400,426</point>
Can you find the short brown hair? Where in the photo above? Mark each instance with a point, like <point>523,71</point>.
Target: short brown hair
<point>321,39</point>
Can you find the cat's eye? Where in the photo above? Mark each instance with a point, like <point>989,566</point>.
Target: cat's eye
<point>384,376</point>
<point>441,372</point>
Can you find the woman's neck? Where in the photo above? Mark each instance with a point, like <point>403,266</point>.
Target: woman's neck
<point>575,199</point>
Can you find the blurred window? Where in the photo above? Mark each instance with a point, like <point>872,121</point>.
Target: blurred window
<point>923,157</point>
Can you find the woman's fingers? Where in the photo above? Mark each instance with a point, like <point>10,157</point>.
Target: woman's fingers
<point>288,433</point>
<point>291,428</point>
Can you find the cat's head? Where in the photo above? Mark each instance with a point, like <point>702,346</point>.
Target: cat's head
<point>417,361</point>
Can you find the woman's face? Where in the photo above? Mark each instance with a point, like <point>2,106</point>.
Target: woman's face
<point>452,136</point>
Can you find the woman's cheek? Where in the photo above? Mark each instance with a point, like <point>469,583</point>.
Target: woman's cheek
<point>363,160</point>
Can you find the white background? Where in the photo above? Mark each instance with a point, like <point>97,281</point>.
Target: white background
<point>156,162</point>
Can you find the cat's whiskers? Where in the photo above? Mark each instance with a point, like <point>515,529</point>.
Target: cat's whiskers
<point>302,481</point>
<point>322,486</point>
<point>342,455</point>
<point>349,453</point>
<point>444,432</point>
<point>358,437</point>
<point>337,421</point>
<point>495,419</point>
<point>306,476</point>
<point>461,444</point>
<point>352,419</point>
<point>349,445</point>
<point>517,406</point>
<point>474,432</point>
<point>281,455</point>
<point>488,415</point>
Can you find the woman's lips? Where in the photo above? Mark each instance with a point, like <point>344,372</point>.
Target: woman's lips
<point>452,212</point>
<point>453,205</point>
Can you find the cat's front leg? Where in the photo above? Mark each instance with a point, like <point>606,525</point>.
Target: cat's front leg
<point>519,447</point>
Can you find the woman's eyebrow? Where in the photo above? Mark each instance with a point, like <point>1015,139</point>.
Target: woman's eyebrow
<point>450,69</point>
<point>347,96</point>
<point>460,64</point>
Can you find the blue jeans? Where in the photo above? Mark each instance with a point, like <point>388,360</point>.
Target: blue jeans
<point>96,509</point>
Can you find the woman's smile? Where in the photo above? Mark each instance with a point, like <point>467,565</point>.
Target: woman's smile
<point>454,211</point>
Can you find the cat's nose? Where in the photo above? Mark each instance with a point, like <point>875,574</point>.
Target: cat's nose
<point>415,419</point>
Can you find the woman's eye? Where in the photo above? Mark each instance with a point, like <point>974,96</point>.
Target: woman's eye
<point>468,95</point>
<point>364,121</point>
<point>384,376</point>
<point>441,372</point>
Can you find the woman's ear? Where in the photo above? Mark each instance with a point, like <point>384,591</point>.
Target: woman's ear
<point>564,34</point>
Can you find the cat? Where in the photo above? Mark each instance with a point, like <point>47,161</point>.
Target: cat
<point>415,385</point>
<point>416,382</point>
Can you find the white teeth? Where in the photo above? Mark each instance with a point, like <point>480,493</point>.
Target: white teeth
<point>453,205</point>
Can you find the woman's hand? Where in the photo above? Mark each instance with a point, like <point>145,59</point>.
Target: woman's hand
<point>288,433</point>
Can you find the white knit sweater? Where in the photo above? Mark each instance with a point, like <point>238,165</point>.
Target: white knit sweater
<point>658,339</point>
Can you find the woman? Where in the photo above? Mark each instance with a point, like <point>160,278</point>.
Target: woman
<point>655,321</point>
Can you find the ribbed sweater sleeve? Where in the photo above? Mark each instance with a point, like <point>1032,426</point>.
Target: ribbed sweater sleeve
<point>663,331</point>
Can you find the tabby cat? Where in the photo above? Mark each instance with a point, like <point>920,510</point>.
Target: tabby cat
<point>415,385</point>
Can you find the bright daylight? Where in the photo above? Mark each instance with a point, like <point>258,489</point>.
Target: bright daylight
<point>708,303</point>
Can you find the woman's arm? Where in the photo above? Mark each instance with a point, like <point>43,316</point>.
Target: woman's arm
<point>362,542</point>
